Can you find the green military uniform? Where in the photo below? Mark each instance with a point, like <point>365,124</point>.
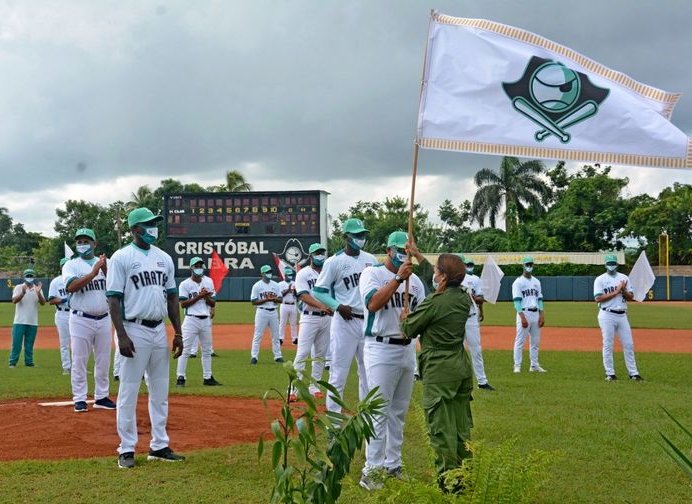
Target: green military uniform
<point>446,371</point>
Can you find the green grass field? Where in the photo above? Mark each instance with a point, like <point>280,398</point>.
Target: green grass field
<point>559,314</point>
<point>604,435</point>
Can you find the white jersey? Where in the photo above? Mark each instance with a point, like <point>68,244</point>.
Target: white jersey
<point>56,290</point>
<point>340,277</point>
<point>289,297</point>
<point>144,278</point>
<point>528,290</point>
<point>263,290</point>
<point>26,311</point>
<point>91,298</point>
<point>385,322</point>
<point>473,285</point>
<point>189,289</point>
<point>605,284</point>
<point>306,279</point>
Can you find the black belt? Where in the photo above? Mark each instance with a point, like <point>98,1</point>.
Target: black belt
<point>268,309</point>
<point>288,303</point>
<point>393,341</point>
<point>530,309</point>
<point>89,315</point>
<point>62,309</point>
<point>617,312</point>
<point>355,315</point>
<point>201,317</point>
<point>145,323</point>
<point>315,313</point>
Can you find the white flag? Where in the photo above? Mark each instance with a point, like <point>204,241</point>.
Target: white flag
<point>641,277</point>
<point>490,279</point>
<point>495,89</point>
<point>68,251</point>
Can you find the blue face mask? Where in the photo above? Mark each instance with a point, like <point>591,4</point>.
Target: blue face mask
<point>398,259</point>
<point>198,271</point>
<point>84,249</point>
<point>612,268</point>
<point>356,243</point>
<point>469,270</point>
<point>150,235</point>
<point>267,276</point>
<point>318,260</point>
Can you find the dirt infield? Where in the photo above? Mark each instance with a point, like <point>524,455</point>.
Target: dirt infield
<point>57,432</point>
<point>48,433</point>
<point>581,339</point>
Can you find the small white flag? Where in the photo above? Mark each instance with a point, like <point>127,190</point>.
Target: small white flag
<point>490,279</point>
<point>68,251</point>
<point>641,277</point>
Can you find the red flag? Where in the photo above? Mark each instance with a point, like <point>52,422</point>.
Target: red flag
<point>218,270</point>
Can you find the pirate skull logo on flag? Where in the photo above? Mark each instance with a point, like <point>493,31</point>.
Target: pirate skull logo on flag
<point>554,97</point>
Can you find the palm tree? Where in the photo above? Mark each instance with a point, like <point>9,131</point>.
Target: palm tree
<point>235,182</point>
<point>515,184</point>
<point>142,197</point>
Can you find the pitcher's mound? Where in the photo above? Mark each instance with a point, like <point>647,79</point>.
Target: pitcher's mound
<point>31,431</point>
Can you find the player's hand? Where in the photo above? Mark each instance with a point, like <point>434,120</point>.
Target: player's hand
<point>541,319</point>
<point>405,269</point>
<point>412,250</point>
<point>100,263</point>
<point>38,286</point>
<point>481,317</point>
<point>524,321</point>
<point>126,346</point>
<point>345,311</point>
<point>25,288</point>
<point>623,284</point>
<point>177,346</point>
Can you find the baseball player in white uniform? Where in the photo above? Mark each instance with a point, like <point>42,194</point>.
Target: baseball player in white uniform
<point>528,302</point>
<point>197,296</point>
<point>90,323</point>
<point>141,292</point>
<point>389,356</point>
<point>611,291</point>
<point>288,314</point>
<point>315,319</point>
<point>473,329</point>
<point>265,295</point>
<point>57,296</point>
<point>339,278</point>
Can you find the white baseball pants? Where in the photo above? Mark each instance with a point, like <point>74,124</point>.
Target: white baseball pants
<point>151,356</point>
<point>87,336</point>
<point>263,319</point>
<point>473,343</point>
<point>347,342</point>
<point>313,339</point>
<point>612,324</point>
<point>62,323</point>
<point>534,333</point>
<point>389,367</point>
<point>195,329</point>
<point>288,314</point>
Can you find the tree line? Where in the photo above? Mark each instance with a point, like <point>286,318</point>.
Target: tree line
<point>517,206</point>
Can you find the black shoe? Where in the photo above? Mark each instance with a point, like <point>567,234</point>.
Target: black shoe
<point>611,377</point>
<point>253,361</point>
<point>295,341</point>
<point>279,360</point>
<point>180,382</point>
<point>80,407</point>
<point>126,460</point>
<point>281,342</point>
<point>192,356</point>
<point>326,367</point>
<point>486,386</point>
<point>211,382</point>
<point>165,454</point>
<point>636,377</point>
<point>416,377</point>
<point>116,378</point>
<point>104,403</point>
<point>30,365</point>
<point>214,354</point>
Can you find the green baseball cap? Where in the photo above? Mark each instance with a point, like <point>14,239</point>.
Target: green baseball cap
<point>611,258</point>
<point>265,269</point>
<point>288,271</point>
<point>29,271</point>
<point>315,247</point>
<point>141,216</point>
<point>63,261</point>
<point>527,259</point>
<point>397,239</point>
<point>89,233</point>
<point>353,226</point>
<point>196,260</point>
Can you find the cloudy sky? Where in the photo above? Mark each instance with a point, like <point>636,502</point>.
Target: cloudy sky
<point>99,97</point>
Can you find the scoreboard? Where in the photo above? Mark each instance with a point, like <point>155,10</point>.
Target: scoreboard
<point>246,229</point>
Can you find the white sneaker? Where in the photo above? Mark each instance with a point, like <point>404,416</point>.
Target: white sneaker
<point>370,483</point>
<point>537,369</point>
<point>517,369</point>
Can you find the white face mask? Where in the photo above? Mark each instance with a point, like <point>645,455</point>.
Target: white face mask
<point>29,280</point>
<point>198,271</point>
<point>84,248</point>
<point>359,242</point>
<point>612,268</point>
<point>435,283</point>
<point>528,269</point>
<point>268,276</point>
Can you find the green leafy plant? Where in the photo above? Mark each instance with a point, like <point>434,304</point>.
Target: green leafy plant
<point>674,451</point>
<point>313,450</point>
